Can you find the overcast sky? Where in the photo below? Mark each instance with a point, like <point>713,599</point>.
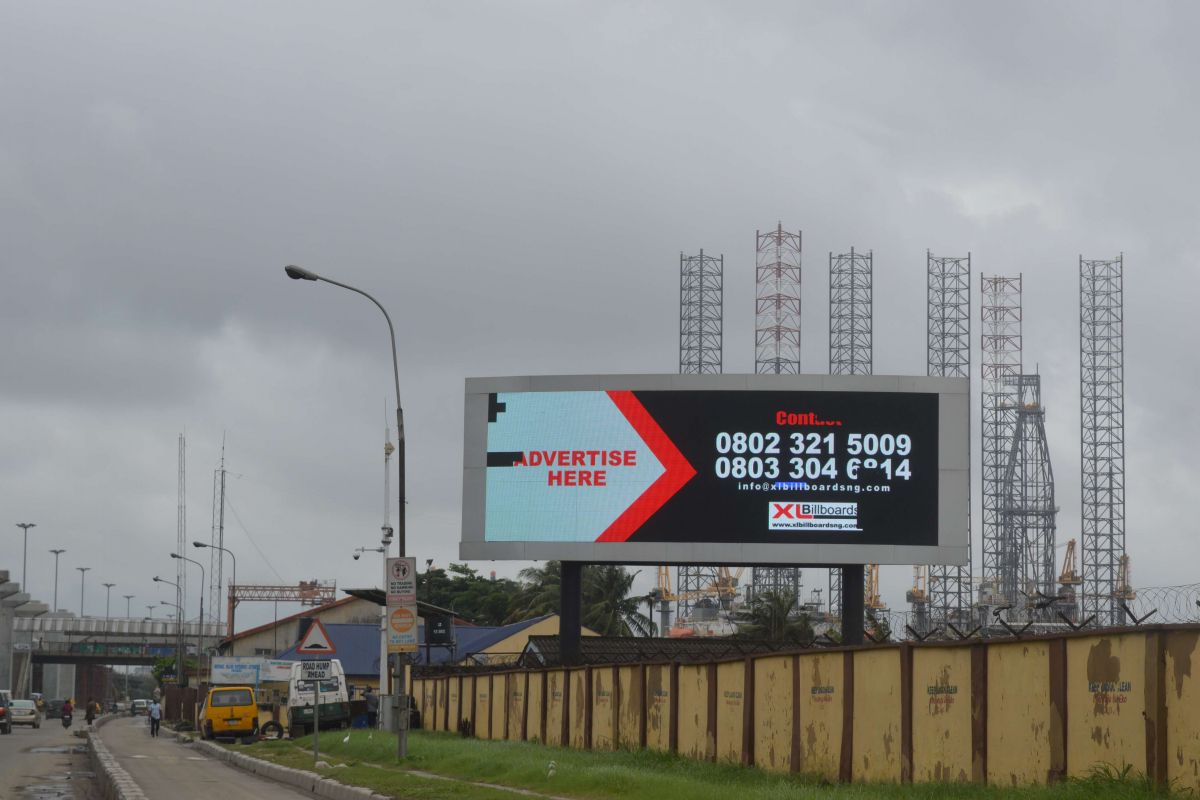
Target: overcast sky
<point>515,181</point>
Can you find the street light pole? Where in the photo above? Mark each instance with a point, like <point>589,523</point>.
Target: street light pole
<point>232,584</point>
<point>57,553</point>
<point>200,627</point>
<point>178,631</point>
<point>398,677</point>
<point>82,574</point>
<point>25,526</point>
<point>128,597</point>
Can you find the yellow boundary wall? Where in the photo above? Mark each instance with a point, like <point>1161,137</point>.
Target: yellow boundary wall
<point>1004,712</point>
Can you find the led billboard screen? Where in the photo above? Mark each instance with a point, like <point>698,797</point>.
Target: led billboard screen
<point>798,469</point>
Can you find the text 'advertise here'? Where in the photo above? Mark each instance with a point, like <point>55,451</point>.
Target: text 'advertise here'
<point>731,469</point>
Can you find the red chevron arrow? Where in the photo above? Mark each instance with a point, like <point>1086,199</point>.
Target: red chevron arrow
<point>677,470</point>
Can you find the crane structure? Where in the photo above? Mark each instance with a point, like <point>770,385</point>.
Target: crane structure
<point>948,355</point>
<point>918,598</point>
<point>1068,580</point>
<point>1102,434</point>
<point>701,348</point>
<point>307,593</point>
<point>851,345</point>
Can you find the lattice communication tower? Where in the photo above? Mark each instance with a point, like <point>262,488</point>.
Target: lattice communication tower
<point>701,325</point>
<point>701,340</point>
<point>1102,402</point>
<point>851,351</point>
<point>948,352</point>
<point>1028,511</point>
<point>1000,349</point>
<point>777,350</point>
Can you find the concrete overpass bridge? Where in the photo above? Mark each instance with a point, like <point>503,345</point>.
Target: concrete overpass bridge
<point>67,639</point>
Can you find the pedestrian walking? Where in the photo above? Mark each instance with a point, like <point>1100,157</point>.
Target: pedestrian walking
<point>372,708</point>
<point>89,714</point>
<point>155,715</point>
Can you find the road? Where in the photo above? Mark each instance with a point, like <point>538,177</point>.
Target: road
<point>166,769</point>
<point>45,764</point>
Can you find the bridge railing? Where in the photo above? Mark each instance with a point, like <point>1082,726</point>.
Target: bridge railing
<point>117,627</point>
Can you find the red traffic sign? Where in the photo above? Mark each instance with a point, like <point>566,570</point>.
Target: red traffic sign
<point>316,641</point>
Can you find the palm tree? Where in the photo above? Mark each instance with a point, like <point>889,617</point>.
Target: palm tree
<point>539,592</point>
<point>607,607</point>
<point>771,616</point>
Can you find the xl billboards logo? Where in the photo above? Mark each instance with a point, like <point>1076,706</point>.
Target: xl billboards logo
<point>792,516</point>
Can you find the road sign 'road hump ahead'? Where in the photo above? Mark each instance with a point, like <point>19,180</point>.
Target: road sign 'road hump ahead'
<point>316,641</point>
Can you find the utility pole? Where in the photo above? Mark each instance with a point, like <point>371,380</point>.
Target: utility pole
<point>82,574</point>
<point>25,526</point>
<point>57,553</point>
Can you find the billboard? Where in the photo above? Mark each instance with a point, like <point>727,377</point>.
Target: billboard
<point>717,469</point>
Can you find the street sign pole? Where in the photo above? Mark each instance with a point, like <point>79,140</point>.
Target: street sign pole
<point>316,721</point>
<point>401,590</point>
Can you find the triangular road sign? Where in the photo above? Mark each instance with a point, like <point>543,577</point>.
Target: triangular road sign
<point>316,641</point>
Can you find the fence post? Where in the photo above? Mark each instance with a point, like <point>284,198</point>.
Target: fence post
<point>1058,710</point>
<point>1156,708</point>
<point>589,700</point>
<point>711,739</point>
<point>640,677</point>
<point>979,712</point>
<point>906,712</point>
<point>846,759</point>
<point>748,713</point>
<point>797,750</point>
<point>673,732</point>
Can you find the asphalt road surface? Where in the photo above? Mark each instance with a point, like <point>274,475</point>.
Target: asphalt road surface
<point>166,769</point>
<point>45,764</point>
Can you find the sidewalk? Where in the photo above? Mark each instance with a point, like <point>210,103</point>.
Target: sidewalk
<point>164,768</point>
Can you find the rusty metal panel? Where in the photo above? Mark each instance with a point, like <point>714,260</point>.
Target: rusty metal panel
<point>1018,725</point>
<point>941,714</point>
<point>515,705</point>
<point>438,722</point>
<point>693,712</point>
<point>466,701</point>
<point>483,707</point>
<point>876,715</point>
<point>773,713</point>
<point>632,699</point>
<point>731,684</point>
<point>658,706</point>
<point>537,710</point>
<point>556,692</point>
<point>1182,685</point>
<point>602,709</point>
<point>577,708</point>
<point>1106,695</point>
<point>820,734</point>
<point>452,700</point>
<point>498,713</point>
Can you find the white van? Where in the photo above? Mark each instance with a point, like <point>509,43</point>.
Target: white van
<point>334,701</point>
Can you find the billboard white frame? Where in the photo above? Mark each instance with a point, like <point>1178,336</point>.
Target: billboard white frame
<point>954,475</point>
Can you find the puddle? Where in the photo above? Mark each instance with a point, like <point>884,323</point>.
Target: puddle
<point>78,748</point>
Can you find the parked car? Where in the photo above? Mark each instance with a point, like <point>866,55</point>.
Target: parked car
<point>229,711</point>
<point>5,712</point>
<point>25,712</point>
<point>139,707</point>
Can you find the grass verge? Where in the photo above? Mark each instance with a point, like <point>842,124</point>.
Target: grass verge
<point>643,775</point>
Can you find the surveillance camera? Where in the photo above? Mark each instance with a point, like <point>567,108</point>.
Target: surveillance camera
<point>356,555</point>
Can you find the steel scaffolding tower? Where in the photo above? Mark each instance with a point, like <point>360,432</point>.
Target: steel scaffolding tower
<point>701,328</point>
<point>948,354</point>
<point>1000,348</point>
<point>850,310</point>
<point>851,306</point>
<point>777,350</point>
<point>1028,512</point>
<point>777,303</point>
<point>1102,403</point>
<point>701,336</point>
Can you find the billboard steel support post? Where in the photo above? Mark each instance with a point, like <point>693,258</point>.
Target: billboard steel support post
<point>852,604</point>
<point>570,603</point>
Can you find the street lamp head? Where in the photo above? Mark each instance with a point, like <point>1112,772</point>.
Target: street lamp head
<point>157,579</point>
<point>83,569</point>
<point>108,585</point>
<point>58,551</point>
<point>176,555</point>
<point>199,544</point>
<point>299,273</point>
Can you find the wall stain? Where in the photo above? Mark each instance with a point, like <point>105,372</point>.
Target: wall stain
<point>1181,645</point>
